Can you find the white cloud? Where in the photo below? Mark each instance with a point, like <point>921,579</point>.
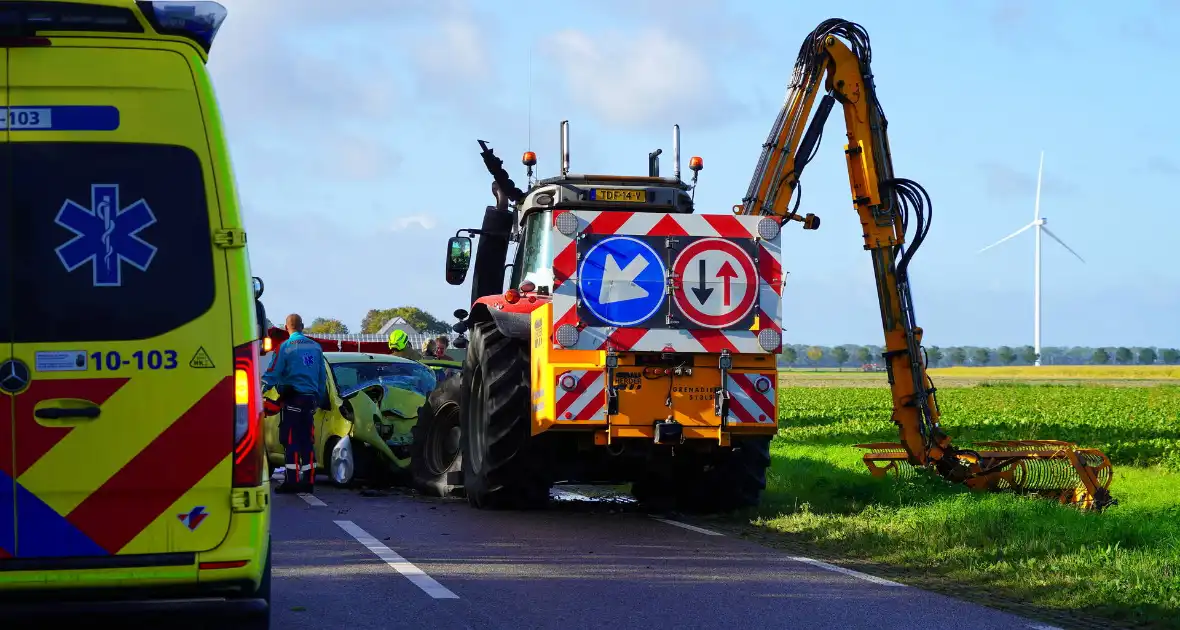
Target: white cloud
<point>636,79</point>
<point>422,221</point>
<point>454,51</point>
<point>451,59</point>
<point>359,158</point>
<point>1004,182</point>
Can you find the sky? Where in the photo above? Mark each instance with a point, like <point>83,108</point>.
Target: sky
<point>353,132</point>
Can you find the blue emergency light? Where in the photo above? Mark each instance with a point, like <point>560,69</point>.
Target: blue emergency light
<point>197,20</point>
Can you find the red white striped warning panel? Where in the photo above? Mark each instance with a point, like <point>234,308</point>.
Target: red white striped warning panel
<point>581,395</point>
<point>752,398</point>
<point>568,225</point>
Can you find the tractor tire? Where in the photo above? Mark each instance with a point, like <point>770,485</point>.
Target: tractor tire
<point>500,464</point>
<point>730,480</point>
<point>435,455</point>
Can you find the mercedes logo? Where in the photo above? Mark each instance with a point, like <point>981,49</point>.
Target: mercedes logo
<point>14,376</point>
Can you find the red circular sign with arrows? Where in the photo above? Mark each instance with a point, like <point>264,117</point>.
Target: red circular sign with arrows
<point>718,282</point>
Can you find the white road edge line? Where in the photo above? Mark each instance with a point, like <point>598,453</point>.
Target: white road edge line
<point>856,574</point>
<point>312,500</point>
<point>398,563</point>
<point>699,530</point>
<point>569,496</point>
<point>1037,626</point>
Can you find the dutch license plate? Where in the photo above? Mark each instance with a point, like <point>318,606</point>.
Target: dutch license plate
<point>614,194</point>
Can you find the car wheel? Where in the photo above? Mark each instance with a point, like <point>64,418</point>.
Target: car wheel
<point>435,455</point>
<point>342,462</point>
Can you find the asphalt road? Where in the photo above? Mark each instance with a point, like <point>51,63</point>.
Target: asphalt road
<point>344,559</point>
<point>346,562</point>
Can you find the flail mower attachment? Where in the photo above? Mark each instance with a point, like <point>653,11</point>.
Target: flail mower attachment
<point>1050,469</point>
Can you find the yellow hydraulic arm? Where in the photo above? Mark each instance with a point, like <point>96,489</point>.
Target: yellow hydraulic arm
<point>884,204</point>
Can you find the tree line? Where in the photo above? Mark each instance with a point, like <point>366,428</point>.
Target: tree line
<point>375,318</point>
<point>846,355</point>
<point>801,355</point>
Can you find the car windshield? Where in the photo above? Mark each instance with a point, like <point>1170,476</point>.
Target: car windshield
<point>405,375</point>
<point>443,372</point>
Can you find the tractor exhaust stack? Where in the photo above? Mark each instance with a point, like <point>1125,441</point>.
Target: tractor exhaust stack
<point>676,151</point>
<point>565,147</point>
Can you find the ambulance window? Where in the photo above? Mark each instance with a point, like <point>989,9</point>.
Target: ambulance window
<point>6,238</point>
<point>114,241</point>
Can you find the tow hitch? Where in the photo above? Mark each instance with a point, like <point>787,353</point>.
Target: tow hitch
<point>669,432</point>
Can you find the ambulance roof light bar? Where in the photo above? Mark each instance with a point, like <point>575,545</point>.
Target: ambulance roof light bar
<point>198,20</point>
<point>25,20</point>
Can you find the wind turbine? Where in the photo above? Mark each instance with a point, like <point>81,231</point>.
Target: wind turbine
<point>1039,223</point>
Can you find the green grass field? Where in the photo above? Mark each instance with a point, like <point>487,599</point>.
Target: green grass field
<point>1033,556</point>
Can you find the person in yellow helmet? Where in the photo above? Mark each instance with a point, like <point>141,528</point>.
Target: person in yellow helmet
<point>399,344</point>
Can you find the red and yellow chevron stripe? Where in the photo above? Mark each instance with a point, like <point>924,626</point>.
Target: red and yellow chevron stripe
<point>111,485</point>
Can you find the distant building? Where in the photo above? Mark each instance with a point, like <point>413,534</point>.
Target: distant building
<point>397,323</point>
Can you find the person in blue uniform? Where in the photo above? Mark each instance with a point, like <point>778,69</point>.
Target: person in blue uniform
<point>298,373</point>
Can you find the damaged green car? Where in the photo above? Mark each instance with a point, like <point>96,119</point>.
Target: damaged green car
<point>366,432</point>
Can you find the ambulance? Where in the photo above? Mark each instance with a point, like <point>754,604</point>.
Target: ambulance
<point>132,467</point>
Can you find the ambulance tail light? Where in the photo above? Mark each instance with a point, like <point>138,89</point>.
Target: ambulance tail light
<point>248,463</point>
<point>198,20</point>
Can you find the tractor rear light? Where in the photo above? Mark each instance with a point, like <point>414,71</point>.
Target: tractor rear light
<point>268,344</point>
<point>770,339</point>
<point>248,464</point>
<point>768,228</point>
<point>567,335</point>
<point>512,296</point>
<point>568,382</point>
<point>762,384</point>
<point>566,223</point>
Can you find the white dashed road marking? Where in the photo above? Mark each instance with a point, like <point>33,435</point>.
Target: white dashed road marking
<point>1037,626</point>
<point>856,574</point>
<point>823,565</point>
<point>398,563</point>
<point>312,500</point>
<point>699,530</point>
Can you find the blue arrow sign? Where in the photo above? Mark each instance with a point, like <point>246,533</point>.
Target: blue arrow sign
<point>621,281</point>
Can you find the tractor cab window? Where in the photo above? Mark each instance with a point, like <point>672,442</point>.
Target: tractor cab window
<point>534,255</point>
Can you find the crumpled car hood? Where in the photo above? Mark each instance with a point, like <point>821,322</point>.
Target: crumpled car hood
<point>396,417</point>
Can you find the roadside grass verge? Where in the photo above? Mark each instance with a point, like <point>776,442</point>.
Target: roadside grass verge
<point>1031,555</point>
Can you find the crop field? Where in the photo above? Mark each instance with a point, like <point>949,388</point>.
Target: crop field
<point>1033,556</point>
<point>1111,376</point>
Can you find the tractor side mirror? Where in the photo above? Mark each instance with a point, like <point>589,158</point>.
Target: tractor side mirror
<point>458,259</point>
<point>259,287</point>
